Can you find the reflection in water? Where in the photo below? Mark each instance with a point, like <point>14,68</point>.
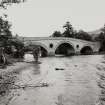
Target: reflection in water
<point>36,70</point>
<point>75,84</point>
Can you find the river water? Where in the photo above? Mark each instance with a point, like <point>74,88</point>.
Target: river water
<point>59,81</point>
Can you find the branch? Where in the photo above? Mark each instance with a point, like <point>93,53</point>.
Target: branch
<point>5,3</point>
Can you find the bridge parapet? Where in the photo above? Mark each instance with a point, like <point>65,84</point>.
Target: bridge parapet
<point>53,38</point>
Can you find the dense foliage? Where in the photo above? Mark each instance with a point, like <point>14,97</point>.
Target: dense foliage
<point>5,33</point>
<point>71,33</point>
<point>101,39</point>
<point>5,3</point>
<point>83,35</point>
<point>57,34</point>
<point>11,45</point>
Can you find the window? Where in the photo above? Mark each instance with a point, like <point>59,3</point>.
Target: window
<point>77,46</point>
<point>51,45</point>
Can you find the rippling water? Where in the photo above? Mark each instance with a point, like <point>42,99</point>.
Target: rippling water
<point>59,81</point>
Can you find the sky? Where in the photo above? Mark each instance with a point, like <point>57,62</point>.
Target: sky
<point>40,18</point>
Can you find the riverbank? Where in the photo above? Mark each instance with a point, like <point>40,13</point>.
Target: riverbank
<point>80,82</point>
<point>101,81</point>
<point>8,75</point>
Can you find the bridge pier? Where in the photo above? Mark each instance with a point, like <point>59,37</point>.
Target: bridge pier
<point>77,52</point>
<point>51,53</point>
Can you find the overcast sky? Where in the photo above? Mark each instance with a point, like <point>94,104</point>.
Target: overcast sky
<point>43,17</point>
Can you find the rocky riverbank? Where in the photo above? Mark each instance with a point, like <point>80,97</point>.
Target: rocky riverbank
<point>101,81</point>
<point>7,79</point>
<point>80,82</point>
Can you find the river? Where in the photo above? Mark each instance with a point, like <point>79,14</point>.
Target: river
<point>59,81</point>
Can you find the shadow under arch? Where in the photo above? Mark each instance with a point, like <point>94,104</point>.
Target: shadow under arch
<point>44,49</point>
<point>64,48</point>
<point>86,50</point>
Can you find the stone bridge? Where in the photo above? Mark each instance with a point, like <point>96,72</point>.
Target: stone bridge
<point>60,45</point>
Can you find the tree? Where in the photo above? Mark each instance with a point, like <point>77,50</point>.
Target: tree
<point>5,26</point>
<point>83,35</point>
<point>7,41</point>
<point>103,30</point>
<point>68,30</point>
<point>19,48</point>
<point>101,39</point>
<point>5,33</point>
<point>5,3</point>
<point>57,34</point>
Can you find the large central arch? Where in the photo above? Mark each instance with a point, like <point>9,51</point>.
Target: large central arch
<point>64,48</point>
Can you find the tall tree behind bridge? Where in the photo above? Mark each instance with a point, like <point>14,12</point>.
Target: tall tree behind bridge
<point>69,32</point>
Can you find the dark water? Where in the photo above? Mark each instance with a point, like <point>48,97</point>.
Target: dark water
<point>59,81</point>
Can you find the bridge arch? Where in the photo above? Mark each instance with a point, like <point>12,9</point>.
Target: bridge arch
<point>86,50</point>
<point>44,49</point>
<point>65,48</point>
